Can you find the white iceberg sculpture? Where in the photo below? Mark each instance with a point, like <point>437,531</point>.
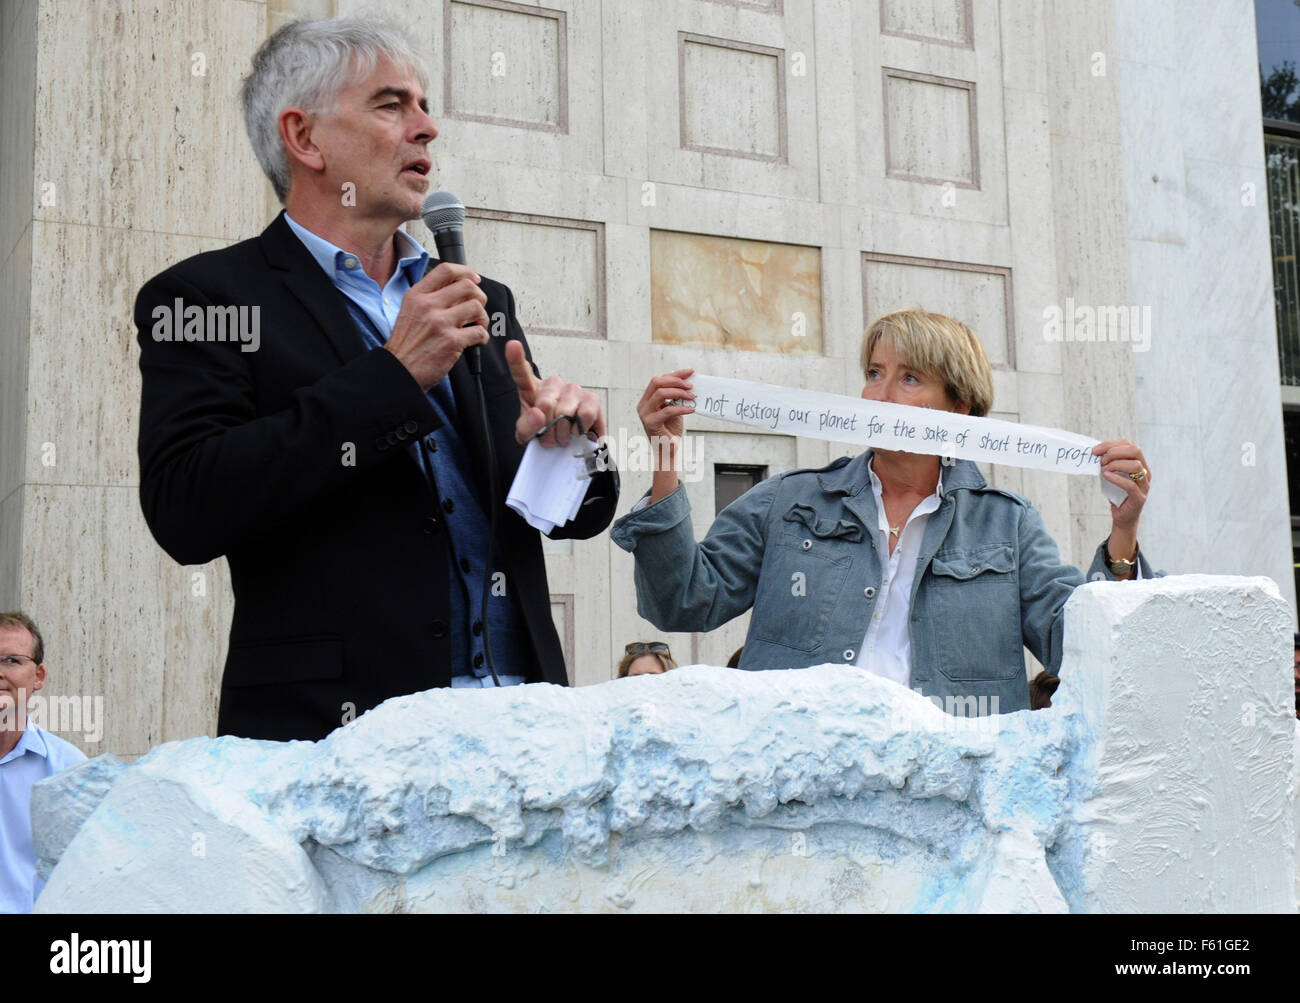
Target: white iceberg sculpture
<point>1160,780</point>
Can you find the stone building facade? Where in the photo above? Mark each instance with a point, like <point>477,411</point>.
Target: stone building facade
<point>727,185</point>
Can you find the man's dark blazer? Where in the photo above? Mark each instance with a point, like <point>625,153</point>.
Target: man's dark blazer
<point>293,462</point>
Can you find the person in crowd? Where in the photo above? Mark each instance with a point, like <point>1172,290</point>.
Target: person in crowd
<point>645,658</point>
<point>896,562</point>
<point>28,753</point>
<point>344,463</point>
<point>734,661</point>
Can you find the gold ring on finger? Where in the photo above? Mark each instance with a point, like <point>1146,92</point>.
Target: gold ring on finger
<point>1139,476</point>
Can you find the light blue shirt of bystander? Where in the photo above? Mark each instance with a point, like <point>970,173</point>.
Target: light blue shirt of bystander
<point>37,755</point>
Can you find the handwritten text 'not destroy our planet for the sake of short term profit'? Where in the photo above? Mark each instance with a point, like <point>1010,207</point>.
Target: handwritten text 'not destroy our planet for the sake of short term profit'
<point>882,425</point>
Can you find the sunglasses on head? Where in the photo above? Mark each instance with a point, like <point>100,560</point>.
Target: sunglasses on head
<point>646,647</point>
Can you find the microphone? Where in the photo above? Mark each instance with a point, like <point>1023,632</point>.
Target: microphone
<point>444,214</point>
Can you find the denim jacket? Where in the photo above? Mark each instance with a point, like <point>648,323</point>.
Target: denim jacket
<point>989,578</point>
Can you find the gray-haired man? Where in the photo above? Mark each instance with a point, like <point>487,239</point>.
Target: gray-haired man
<point>342,467</point>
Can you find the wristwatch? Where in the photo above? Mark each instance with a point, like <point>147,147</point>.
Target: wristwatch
<point>1120,568</point>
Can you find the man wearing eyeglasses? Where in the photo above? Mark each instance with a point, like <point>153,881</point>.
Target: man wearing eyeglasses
<point>28,753</point>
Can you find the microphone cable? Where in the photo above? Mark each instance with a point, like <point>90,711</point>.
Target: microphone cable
<point>492,514</point>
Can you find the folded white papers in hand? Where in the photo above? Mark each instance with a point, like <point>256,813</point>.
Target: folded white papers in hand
<point>550,484</point>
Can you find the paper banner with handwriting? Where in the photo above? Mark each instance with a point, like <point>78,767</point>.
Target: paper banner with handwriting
<point>880,425</point>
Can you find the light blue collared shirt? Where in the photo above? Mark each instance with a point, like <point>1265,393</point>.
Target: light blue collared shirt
<point>344,269</point>
<point>37,755</point>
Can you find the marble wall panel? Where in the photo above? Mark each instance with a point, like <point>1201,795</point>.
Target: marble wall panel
<point>506,63</point>
<point>138,123</point>
<point>1148,30</point>
<point>1021,24</point>
<point>18,84</point>
<point>625,73</point>
<point>724,292</point>
<point>1153,154</point>
<point>15,328</point>
<point>1240,419</point>
<point>732,97</point>
<point>930,129</point>
<point>1088,220</point>
<point>555,267</point>
<point>84,358</point>
<point>1080,43</point>
<point>947,21</point>
<point>1100,376</point>
<point>18,195</point>
<point>836,102</point>
<point>1234,301</point>
<point>930,125</point>
<point>979,296</point>
<point>1218,38</point>
<point>1032,245</point>
<point>11,550</point>
<point>1169,373</point>
<point>736,99</point>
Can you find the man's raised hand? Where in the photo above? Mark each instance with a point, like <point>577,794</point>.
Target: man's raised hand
<point>431,329</point>
<point>542,401</point>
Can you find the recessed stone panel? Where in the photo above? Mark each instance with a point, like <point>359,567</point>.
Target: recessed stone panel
<point>723,292</point>
<point>977,295</point>
<point>945,21</point>
<point>507,63</point>
<point>732,97</point>
<point>555,267</point>
<point>930,129</point>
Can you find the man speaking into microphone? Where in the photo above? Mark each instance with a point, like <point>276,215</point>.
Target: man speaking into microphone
<point>353,465</point>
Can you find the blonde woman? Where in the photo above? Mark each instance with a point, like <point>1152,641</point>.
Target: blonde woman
<point>917,571</point>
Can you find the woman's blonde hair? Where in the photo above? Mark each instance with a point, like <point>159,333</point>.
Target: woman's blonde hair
<point>625,663</point>
<point>940,346</point>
